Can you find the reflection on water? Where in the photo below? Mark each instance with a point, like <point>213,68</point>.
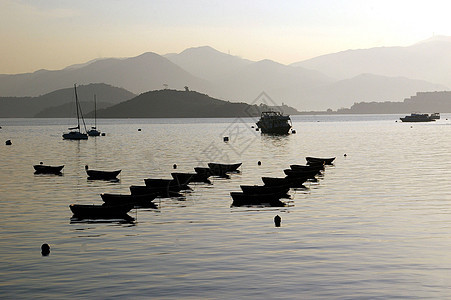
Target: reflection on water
<point>377,222</point>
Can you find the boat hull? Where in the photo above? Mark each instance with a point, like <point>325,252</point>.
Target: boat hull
<point>144,200</point>
<point>100,211</point>
<point>160,191</point>
<point>242,199</point>
<point>102,175</point>
<point>222,169</point>
<point>42,169</point>
<point>74,135</point>
<point>317,160</point>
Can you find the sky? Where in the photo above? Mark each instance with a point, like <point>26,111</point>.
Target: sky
<point>53,34</point>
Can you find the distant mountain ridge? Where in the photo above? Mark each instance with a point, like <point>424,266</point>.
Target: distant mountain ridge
<point>182,104</point>
<point>329,81</point>
<point>428,60</point>
<point>29,107</point>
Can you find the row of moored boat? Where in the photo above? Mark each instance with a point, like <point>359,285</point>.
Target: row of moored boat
<point>274,188</point>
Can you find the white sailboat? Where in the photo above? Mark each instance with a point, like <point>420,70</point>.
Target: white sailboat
<point>75,132</point>
<point>94,131</point>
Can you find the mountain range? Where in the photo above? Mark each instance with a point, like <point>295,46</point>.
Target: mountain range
<point>330,81</point>
<point>61,103</point>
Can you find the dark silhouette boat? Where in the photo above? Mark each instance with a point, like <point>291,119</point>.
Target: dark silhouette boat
<point>162,192</point>
<point>101,175</point>
<point>263,189</point>
<point>416,117</point>
<point>203,171</point>
<point>318,167</point>
<point>317,160</point>
<point>93,131</point>
<point>166,184</point>
<point>182,178</point>
<point>243,199</point>
<point>273,122</point>
<point>144,200</point>
<point>309,174</point>
<point>75,132</point>
<point>222,169</point>
<point>43,169</point>
<point>187,178</point>
<point>284,182</point>
<point>83,211</point>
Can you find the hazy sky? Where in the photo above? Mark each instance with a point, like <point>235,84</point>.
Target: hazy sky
<point>52,34</point>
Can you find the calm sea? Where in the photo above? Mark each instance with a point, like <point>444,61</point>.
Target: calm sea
<point>376,225</point>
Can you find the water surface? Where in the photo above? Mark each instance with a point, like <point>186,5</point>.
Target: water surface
<point>376,225</point>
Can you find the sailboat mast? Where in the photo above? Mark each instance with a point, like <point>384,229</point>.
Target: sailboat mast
<point>95,112</point>
<point>76,104</point>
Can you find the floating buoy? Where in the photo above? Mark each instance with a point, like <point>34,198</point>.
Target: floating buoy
<point>277,220</point>
<point>139,129</point>
<point>259,163</point>
<point>45,249</point>
<point>251,127</point>
<point>345,155</point>
<point>293,131</point>
<point>226,139</point>
<point>396,121</point>
<point>103,133</point>
<point>174,166</point>
<point>8,142</point>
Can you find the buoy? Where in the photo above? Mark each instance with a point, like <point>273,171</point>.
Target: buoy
<point>396,121</point>
<point>226,139</point>
<point>293,131</point>
<point>8,142</point>
<point>139,129</point>
<point>103,133</point>
<point>45,249</point>
<point>259,163</point>
<point>277,220</point>
<point>251,126</point>
<point>41,163</point>
<point>174,166</point>
<point>345,155</point>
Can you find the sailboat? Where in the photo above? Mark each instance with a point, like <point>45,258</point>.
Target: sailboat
<point>75,132</point>
<point>94,131</point>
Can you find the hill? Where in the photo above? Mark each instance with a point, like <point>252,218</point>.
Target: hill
<point>179,104</point>
<point>28,107</point>
<point>427,60</point>
<point>137,74</point>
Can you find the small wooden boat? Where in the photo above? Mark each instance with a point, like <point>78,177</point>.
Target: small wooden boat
<point>144,200</point>
<point>222,169</point>
<point>182,178</point>
<point>316,160</point>
<point>318,167</point>
<point>168,184</point>
<point>242,199</point>
<point>203,171</point>
<point>263,189</point>
<point>284,182</point>
<point>300,173</point>
<point>160,191</point>
<point>83,211</point>
<point>101,175</point>
<point>43,169</point>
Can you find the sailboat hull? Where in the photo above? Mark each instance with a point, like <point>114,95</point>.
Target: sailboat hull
<point>75,135</point>
<point>93,132</point>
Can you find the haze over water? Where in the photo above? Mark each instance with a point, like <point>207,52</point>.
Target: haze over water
<point>376,225</point>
